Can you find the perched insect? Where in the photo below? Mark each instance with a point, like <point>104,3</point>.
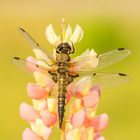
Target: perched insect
<point>65,70</point>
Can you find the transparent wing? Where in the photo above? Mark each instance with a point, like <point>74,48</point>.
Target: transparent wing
<point>106,80</point>
<point>85,62</point>
<point>88,63</point>
<point>109,58</point>
<point>40,52</point>
<point>102,80</point>
<point>29,66</point>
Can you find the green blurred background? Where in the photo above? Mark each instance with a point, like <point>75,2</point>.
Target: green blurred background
<point>107,25</point>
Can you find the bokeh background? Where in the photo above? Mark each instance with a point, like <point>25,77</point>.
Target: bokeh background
<point>107,25</point>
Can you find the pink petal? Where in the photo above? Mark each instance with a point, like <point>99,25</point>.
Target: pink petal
<point>97,134</point>
<point>100,138</point>
<point>31,59</point>
<point>31,63</point>
<point>49,83</point>
<point>99,123</point>
<point>78,119</point>
<point>28,134</point>
<point>28,113</point>
<point>91,100</point>
<point>68,98</point>
<point>36,92</point>
<point>71,89</point>
<point>95,89</point>
<point>49,118</point>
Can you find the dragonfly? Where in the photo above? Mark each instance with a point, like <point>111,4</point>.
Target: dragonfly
<point>64,70</point>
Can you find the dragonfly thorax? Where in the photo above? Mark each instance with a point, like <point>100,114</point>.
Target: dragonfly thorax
<point>62,58</point>
<point>64,48</point>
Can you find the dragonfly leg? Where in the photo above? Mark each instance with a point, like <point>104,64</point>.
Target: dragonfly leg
<point>54,76</point>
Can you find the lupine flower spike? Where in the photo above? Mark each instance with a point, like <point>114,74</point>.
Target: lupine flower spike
<point>58,83</point>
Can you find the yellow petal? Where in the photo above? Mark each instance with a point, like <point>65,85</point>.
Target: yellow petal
<point>40,78</point>
<point>76,106</point>
<point>68,127</point>
<point>88,133</point>
<point>52,105</point>
<point>40,105</point>
<point>77,34</point>
<point>90,113</point>
<point>74,134</point>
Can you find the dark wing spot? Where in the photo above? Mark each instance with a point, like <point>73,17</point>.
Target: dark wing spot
<point>37,44</point>
<point>122,74</point>
<point>77,75</point>
<point>120,49</point>
<point>22,29</point>
<point>17,58</point>
<point>94,74</point>
<point>37,65</point>
<point>97,55</point>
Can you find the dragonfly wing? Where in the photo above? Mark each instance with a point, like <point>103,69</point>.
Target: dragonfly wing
<point>85,62</point>
<point>106,80</point>
<point>109,58</point>
<point>29,66</point>
<point>39,52</point>
<point>102,80</point>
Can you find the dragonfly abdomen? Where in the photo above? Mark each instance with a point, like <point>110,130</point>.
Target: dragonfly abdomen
<point>62,90</point>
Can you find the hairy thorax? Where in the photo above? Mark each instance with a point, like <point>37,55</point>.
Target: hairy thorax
<point>62,58</point>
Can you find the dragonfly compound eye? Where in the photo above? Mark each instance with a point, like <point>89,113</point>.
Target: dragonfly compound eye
<point>63,48</point>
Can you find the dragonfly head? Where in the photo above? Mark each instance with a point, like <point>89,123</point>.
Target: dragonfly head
<point>64,48</point>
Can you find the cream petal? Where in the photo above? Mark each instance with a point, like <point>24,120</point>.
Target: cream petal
<point>74,134</point>
<point>39,128</point>
<point>76,106</point>
<point>40,105</point>
<point>77,34</point>
<point>68,33</point>
<point>44,80</point>
<point>40,78</point>
<point>40,55</point>
<point>87,61</point>
<point>83,86</point>
<point>94,59</point>
<point>51,35</point>
<point>88,133</point>
<point>52,105</point>
<point>84,54</point>
<point>68,126</point>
